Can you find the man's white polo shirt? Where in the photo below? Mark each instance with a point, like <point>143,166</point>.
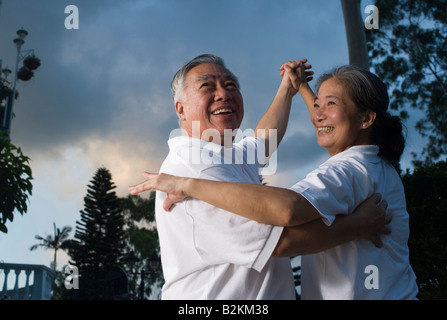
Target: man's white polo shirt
<point>210,253</point>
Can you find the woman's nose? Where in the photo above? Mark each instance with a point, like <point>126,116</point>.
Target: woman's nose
<point>318,114</point>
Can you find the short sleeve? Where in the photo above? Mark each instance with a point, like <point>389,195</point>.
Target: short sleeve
<point>333,190</point>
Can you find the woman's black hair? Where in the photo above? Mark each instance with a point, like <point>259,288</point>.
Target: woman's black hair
<point>367,91</point>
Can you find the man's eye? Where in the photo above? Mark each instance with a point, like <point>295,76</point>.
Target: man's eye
<point>330,103</point>
<point>316,105</point>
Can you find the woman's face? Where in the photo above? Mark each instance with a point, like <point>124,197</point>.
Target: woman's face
<point>338,122</point>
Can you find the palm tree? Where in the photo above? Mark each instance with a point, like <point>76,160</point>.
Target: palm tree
<point>59,241</point>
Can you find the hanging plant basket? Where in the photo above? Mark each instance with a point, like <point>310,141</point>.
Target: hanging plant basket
<point>25,74</point>
<point>32,62</point>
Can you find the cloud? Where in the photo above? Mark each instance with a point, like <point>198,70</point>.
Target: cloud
<point>121,60</point>
<point>125,159</point>
<point>102,95</point>
<point>102,92</point>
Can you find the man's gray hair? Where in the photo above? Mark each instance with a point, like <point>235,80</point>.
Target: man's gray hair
<point>178,82</point>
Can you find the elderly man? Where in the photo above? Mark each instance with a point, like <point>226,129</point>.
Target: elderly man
<point>210,253</point>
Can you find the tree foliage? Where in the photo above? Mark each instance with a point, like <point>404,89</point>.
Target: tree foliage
<point>15,182</point>
<point>426,202</point>
<point>56,242</point>
<point>142,239</point>
<point>99,236</point>
<point>140,228</point>
<point>409,53</point>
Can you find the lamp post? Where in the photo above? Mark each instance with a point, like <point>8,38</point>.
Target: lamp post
<point>24,74</point>
<point>5,94</point>
<point>18,42</point>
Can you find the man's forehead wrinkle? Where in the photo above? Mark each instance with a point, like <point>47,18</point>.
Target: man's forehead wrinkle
<point>214,77</point>
<point>206,77</point>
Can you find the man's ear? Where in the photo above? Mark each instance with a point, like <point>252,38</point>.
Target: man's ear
<point>180,110</point>
<point>368,119</point>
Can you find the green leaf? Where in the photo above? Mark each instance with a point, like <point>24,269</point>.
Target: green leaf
<point>3,228</point>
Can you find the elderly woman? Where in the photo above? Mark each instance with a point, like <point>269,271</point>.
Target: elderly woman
<point>351,121</point>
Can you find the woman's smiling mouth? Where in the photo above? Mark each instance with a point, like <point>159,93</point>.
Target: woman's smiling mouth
<point>325,129</point>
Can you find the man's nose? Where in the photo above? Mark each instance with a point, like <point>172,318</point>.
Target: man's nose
<point>222,93</point>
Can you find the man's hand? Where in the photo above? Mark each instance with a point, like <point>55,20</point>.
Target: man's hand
<point>298,73</point>
<point>172,185</point>
<point>373,219</point>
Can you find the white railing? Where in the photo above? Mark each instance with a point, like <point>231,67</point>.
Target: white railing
<point>25,281</point>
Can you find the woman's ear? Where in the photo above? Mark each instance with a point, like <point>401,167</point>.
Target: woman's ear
<point>368,119</point>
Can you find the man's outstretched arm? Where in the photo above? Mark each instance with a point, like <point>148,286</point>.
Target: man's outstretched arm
<point>369,221</point>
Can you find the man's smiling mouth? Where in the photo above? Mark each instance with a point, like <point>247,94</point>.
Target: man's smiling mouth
<point>222,111</point>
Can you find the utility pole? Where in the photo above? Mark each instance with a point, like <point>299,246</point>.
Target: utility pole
<point>355,33</point>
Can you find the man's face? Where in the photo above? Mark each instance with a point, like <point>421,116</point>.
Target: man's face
<point>211,96</point>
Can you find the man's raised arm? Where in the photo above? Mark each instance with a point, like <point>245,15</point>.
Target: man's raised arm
<point>277,116</point>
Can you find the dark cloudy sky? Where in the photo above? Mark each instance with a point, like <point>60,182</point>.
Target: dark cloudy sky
<point>102,94</point>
